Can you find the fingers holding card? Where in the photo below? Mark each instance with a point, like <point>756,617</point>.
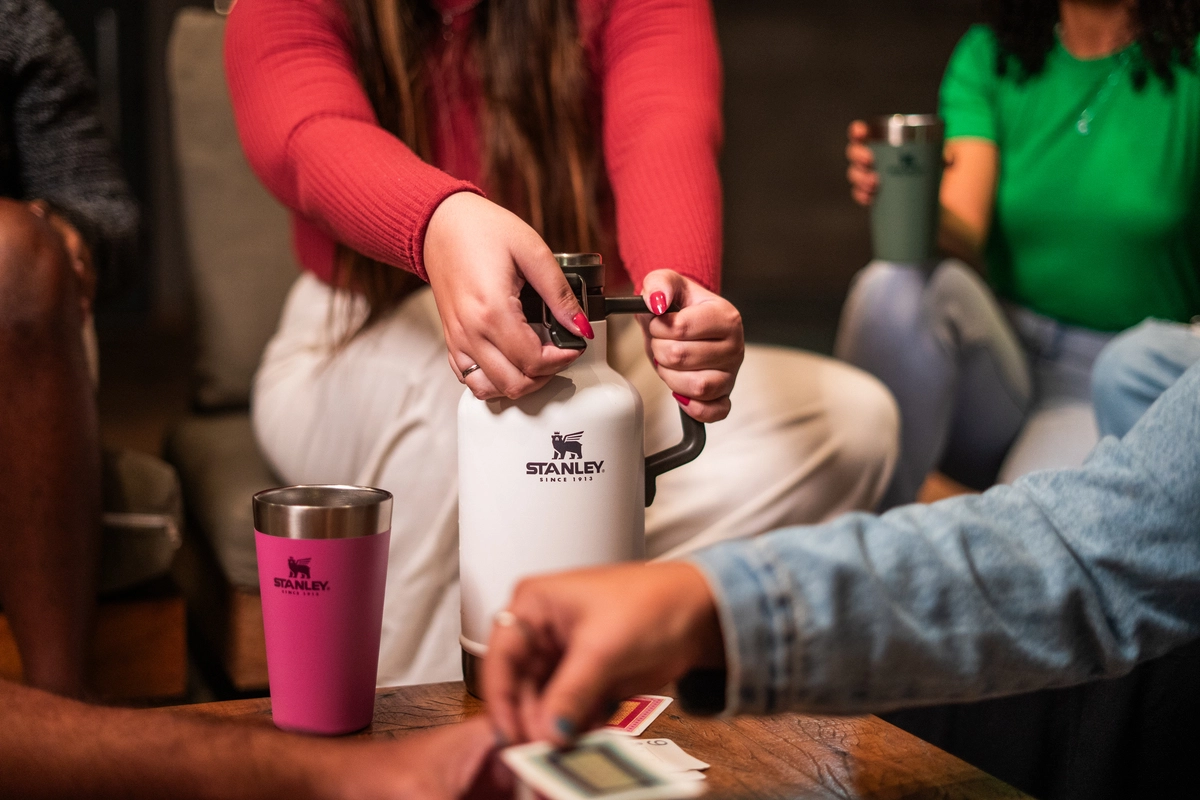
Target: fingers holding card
<point>600,765</point>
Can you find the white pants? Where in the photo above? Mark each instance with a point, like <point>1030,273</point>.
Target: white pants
<point>808,438</point>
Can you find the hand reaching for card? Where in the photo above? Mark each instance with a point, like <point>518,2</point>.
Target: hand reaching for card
<point>579,640</point>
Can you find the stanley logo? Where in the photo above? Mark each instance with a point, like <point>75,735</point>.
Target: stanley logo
<point>299,579</point>
<point>567,459</point>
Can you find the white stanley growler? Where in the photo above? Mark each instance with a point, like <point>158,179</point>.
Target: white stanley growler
<point>557,479</point>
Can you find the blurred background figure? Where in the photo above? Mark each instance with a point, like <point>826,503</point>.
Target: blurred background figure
<point>1071,184</point>
<point>64,210</point>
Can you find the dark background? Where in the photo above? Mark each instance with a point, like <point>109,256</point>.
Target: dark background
<point>797,71</point>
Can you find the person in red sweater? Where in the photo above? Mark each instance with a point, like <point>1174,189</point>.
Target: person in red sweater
<point>592,125</point>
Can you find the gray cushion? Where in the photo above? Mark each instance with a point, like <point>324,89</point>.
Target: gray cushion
<point>143,514</point>
<point>221,469</point>
<point>237,234</point>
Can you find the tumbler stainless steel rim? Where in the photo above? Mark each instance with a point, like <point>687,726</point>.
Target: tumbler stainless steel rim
<point>322,512</point>
<point>898,129</point>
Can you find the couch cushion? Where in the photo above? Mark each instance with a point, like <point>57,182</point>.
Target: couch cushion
<point>237,234</point>
<point>221,469</point>
<point>143,514</point>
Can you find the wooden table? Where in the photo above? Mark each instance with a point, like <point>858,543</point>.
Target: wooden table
<point>785,756</point>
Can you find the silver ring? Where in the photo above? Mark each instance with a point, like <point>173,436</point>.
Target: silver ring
<point>469,370</point>
<point>507,619</point>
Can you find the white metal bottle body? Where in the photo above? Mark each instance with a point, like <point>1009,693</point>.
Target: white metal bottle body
<point>549,482</point>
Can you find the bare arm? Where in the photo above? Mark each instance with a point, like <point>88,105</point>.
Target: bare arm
<point>52,747</point>
<point>968,196</point>
<point>968,190</point>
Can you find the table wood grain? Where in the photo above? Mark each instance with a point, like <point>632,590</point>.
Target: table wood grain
<point>783,756</point>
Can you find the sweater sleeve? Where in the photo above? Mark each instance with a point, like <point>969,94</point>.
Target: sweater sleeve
<point>661,83</point>
<point>62,153</point>
<point>310,133</point>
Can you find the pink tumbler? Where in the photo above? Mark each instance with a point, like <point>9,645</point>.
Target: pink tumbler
<point>322,566</point>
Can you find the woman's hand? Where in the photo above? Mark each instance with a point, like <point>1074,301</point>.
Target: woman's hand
<point>478,256</point>
<point>574,642</point>
<point>864,181</point>
<point>698,350</point>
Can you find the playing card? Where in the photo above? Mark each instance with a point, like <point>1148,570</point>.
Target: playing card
<point>672,757</point>
<point>635,714</point>
<point>599,767</point>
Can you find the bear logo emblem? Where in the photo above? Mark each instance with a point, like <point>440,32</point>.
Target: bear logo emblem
<point>567,444</point>
<point>299,566</point>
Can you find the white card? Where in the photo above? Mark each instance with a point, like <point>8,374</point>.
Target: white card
<point>673,757</point>
<point>600,766</point>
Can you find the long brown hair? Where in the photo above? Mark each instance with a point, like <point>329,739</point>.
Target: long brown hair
<point>541,157</point>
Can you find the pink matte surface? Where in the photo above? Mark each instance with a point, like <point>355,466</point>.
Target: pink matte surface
<point>323,642</point>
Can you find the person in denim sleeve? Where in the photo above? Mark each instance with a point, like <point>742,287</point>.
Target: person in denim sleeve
<point>1060,578</point>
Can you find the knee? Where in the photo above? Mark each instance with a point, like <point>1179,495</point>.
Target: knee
<point>864,425</point>
<point>1124,380</point>
<point>886,301</point>
<point>35,273</point>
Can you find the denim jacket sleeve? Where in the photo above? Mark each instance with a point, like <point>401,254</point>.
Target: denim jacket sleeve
<point>1060,578</point>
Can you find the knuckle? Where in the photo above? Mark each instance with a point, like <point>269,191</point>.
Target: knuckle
<point>563,296</point>
<point>677,354</point>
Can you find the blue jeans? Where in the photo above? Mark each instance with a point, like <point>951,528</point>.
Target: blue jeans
<point>986,392</point>
<point>1136,368</point>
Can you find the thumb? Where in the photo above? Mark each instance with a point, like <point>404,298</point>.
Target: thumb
<point>542,272</point>
<point>573,693</point>
<point>663,287</point>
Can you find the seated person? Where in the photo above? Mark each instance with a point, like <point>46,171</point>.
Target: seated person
<point>64,208</point>
<point>1061,578</point>
<point>53,748</point>
<point>376,123</point>
<point>1070,175</point>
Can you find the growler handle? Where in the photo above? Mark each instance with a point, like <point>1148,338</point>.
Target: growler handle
<point>693,440</point>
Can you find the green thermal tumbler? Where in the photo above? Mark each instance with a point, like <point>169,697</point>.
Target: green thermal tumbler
<point>908,159</point>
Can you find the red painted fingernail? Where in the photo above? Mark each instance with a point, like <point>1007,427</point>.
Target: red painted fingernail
<point>585,327</point>
<point>683,401</point>
<point>658,303</point>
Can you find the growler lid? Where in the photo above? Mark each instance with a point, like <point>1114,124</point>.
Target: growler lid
<point>585,273</point>
<point>588,266</point>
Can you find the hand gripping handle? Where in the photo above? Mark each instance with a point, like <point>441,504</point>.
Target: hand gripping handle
<point>693,431</point>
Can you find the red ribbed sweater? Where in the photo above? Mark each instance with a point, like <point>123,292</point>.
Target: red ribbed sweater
<point>309,132</point>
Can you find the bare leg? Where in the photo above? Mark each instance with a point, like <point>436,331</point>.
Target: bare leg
<point>49,456</point>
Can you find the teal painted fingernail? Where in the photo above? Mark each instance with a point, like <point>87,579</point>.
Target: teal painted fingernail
<point>565,727</point>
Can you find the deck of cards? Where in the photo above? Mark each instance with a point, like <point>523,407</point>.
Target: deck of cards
<point>634,715</point>
<point>600,765</point>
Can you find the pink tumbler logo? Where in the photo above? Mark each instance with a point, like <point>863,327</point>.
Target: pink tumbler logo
<point>299,580</point>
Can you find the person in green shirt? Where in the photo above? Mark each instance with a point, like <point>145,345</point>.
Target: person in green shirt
<point>1073,183</point>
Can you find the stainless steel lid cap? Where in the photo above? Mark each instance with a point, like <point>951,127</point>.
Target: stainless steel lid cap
<point>322,512</point>
<point>897,129</point>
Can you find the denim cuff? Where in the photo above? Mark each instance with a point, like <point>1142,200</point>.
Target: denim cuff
<point>757,612</point>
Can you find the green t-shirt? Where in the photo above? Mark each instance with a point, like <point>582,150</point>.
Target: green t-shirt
<point>1099,229</point>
